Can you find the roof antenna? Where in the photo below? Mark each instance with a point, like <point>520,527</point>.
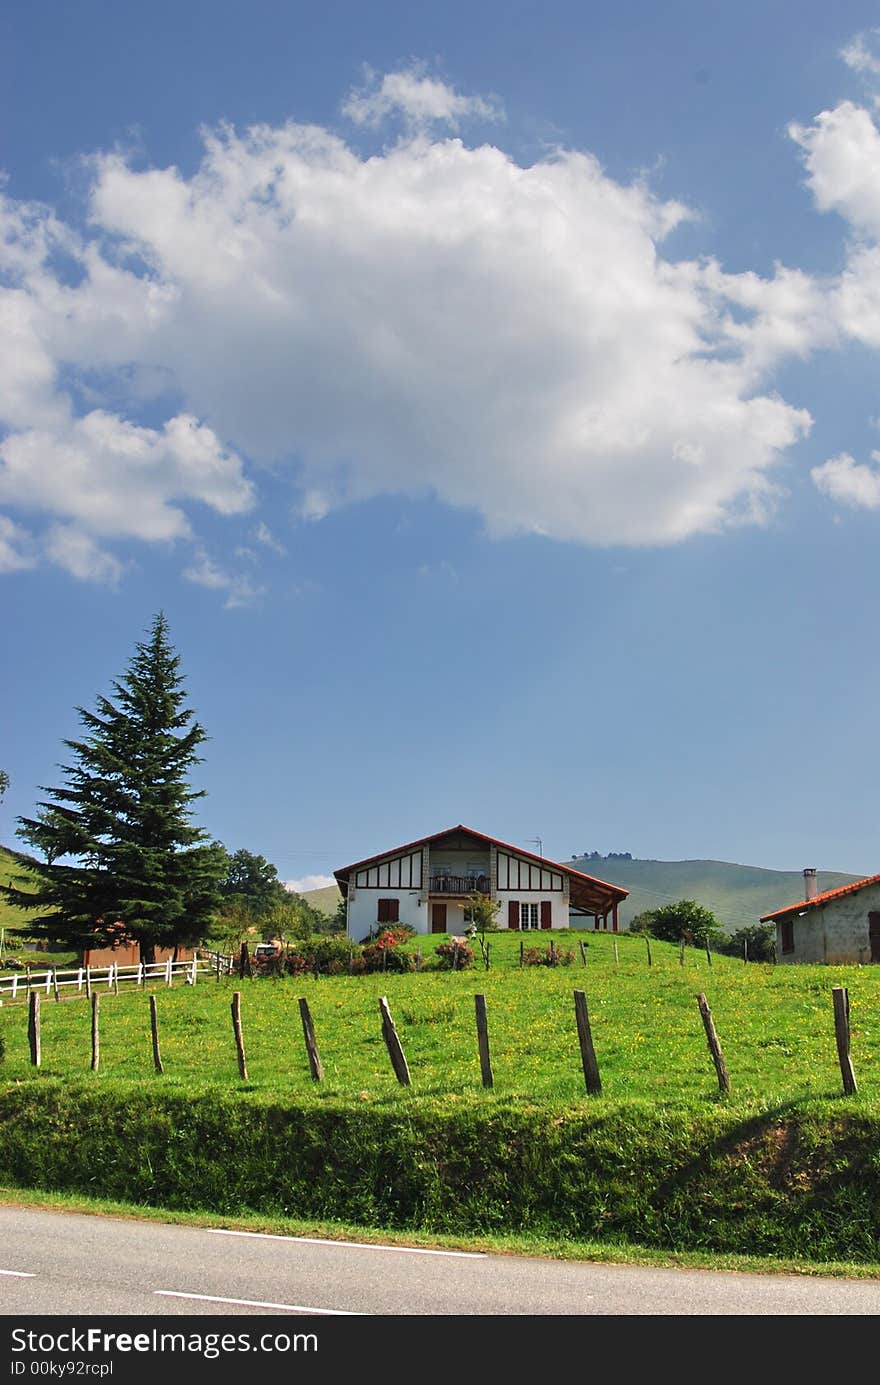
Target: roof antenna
<point>539,844</point>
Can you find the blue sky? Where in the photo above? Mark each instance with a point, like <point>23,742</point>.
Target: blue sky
<point>488,395</point>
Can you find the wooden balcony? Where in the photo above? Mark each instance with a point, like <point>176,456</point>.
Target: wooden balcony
<point>459,884</point>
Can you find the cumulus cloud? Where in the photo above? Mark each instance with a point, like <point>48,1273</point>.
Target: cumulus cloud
<point>421,100</point>
<point>77,553</point>
<point>841,151</point>
<point>436,319</point>
<point>850,482</point>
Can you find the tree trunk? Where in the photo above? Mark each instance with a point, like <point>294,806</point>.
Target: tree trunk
<point>148,954</point>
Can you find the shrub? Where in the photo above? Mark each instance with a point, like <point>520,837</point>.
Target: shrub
<point>446,952</point>
<point>387,956</point>
<point>547,956</point>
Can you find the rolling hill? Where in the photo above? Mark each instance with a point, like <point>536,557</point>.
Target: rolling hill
<point>738,895</point>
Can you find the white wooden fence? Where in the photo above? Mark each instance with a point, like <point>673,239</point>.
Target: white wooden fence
<point>77,980</point>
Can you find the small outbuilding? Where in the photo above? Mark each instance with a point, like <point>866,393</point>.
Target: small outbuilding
<point>841,925</point>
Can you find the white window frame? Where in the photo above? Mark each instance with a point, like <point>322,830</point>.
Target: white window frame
<point>529,916</point>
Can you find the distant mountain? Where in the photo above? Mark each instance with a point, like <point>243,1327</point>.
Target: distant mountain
<point>737,895</point>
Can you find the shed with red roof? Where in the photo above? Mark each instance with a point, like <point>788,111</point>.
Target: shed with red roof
<point>834,926</point>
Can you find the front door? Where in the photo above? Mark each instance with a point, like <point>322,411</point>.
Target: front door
<point>874,936</point>
<point>438,916</point>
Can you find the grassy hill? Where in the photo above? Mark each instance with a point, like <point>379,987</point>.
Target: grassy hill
<point>783,1166</point>
<point>737,894</point>
<point>324,900</point>
<point>9,917</point>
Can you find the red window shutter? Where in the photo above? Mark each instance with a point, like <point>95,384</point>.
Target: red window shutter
<point>393,910</point>
<point>513,913</point>
<point>546,913</point>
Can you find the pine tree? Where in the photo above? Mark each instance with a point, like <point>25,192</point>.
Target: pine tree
<point>120,855</point>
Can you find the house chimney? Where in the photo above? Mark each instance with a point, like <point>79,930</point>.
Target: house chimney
<point>811,889</point>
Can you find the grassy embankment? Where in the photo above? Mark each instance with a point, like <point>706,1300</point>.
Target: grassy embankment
<point>784,1167</point>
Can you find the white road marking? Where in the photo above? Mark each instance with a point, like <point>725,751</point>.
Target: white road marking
<point>257,1303</point>
<point>18,1274</point>
<point>350,1245</point>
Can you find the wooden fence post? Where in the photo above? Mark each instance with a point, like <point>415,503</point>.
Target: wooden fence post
<point>88,983</point>
<point>520,951</point>
<point>392,1043</point>
<point>55,982</point>
<point>316,1067</point>
<point>648,946</point>
<point>583,951</point>
<point>616,953</point>
<point>681,952</point>
<point>708,954</point>
<point>483,1040</point>
<point>840,996</point>
<point>244,961</point>
<point>116,978</point>
<point>745,949</point>
<point>585,1038</point>
<point>154,1031</point>
<point>455,954</point>
<point>96,1042</point>
<point>714,1045</point>
<point>27,969</point>
<point>419,957</point>
<point>236,1029</point>
<point>34,1027</point>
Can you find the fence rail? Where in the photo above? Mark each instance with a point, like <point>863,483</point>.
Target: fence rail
<point>79,980</point>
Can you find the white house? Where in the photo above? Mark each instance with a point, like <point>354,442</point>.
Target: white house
<point>426,884</point>
<point>841,925</point>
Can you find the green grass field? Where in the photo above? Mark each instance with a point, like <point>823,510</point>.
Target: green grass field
<point>775,1025</point>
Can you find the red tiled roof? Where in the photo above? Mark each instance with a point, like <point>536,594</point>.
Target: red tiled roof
<point>822,898</point>
<point>576,875</point>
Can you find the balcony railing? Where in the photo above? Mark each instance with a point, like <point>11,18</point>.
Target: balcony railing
<point>459,884</point>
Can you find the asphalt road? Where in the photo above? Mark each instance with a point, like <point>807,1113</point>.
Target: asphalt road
<point>56,1263</point>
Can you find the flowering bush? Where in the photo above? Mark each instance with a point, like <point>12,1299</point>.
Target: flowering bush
<point>446,952</point>
<point>385,954</point>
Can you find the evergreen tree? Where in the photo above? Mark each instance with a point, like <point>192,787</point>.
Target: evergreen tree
<point>121,856</point>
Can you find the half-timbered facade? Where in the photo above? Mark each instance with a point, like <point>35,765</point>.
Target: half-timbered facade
<point>427,884</point>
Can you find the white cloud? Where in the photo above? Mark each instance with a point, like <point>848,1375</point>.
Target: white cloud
<point>263,535</point>
<point>79,555</point>
<point>240,590</point>
<point>309,882</point>
<point>842,158</point>
<point>850,482</point>
<point>16,547</point>
<point>858,55</point>
<point>421,100</point>
<point>116,479</point>
<point>435,319</point>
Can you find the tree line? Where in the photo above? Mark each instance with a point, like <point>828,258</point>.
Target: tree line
<point>113,851</point>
